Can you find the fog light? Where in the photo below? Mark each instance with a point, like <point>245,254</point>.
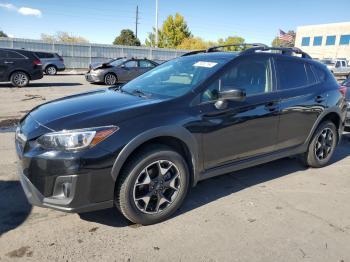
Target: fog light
<point>66,188</point>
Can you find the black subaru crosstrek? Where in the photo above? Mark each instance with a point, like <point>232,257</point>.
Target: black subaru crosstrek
<point>140,147</point>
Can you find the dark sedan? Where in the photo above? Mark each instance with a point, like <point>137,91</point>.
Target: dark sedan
<point>119,70</point>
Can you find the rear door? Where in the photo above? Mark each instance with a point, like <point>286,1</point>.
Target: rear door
<point>301,100</point>
<point>129,71</point>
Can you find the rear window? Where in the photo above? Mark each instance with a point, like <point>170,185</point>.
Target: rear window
<point>44,55</point>
<point>293,74</point>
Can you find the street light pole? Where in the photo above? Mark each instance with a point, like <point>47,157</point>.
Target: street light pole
<point>156,42</point>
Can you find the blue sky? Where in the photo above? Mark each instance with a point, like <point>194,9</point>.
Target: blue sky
<point>100,21</point>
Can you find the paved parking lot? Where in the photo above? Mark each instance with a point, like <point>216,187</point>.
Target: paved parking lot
<point>275,212</point>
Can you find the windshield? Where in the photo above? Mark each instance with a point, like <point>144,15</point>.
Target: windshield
<point>176,77</point>
<point>117,62</point>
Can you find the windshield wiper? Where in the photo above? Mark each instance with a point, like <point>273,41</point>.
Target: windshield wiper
<point>138,92</point>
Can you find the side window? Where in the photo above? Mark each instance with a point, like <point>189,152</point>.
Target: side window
<point>337,64</point>
<point>40,55</point>
<point>14,55</point>
<point>343,64</point>
<point>131,63</point>
<point>322,76</point>
<point>252,74</point>
<point>291,74</point>
<point>49,55</point>
<point>310,75</point>
<point>145,63</point>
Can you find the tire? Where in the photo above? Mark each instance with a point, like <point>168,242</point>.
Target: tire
<point>110,79</point>
<point>320,157</point>
<point>51,70</point>
<point>19,79</point>
<point>136,193</point>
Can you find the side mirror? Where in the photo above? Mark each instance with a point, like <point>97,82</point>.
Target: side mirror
<point>233,94</point>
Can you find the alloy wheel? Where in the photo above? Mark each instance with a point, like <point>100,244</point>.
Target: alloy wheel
<point>110,79</point>
<point>156,187</point>
<point>51,70</point>
<point>324,144</point>
<point>20,79</point>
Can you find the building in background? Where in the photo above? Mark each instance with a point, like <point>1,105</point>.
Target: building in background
<point>325,41</point>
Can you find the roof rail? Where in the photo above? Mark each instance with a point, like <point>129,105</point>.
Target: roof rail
<point>214,48</point>
<point>284,51</point>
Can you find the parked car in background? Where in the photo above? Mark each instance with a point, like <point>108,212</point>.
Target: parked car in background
<point>19,66</point>
<point>338,67</point>
<point>119,70</point>
<point>52,62</point>
<point>346,83</point>
<point>140,147</point>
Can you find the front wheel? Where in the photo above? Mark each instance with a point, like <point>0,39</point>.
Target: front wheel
<point>19,79</point>
<point>322,145</point>
<point>110,79</point>
<point>153,185</point>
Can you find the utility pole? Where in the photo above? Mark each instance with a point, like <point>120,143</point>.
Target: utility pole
<point>137,19</point>
<point>156,42</point>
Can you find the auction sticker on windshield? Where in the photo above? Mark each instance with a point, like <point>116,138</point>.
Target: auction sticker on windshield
<point>205,64</point>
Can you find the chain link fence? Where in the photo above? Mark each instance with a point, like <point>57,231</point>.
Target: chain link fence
<point>78,56</point>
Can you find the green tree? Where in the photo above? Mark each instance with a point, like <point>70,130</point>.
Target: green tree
<point>230,41</point>
<point>2,34</point>
<point>173,31</point>
<point>151,39</point>
<point>127,37</point>
<point>282,43</point>
<point>63,37</point>
<point>194,43</point>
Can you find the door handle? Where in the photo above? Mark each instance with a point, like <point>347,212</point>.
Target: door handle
<point>319,99</point>
<point>8,62</point>
<point>272,106</point>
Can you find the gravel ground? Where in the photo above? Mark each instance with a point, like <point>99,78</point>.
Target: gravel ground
<point>273,212</point>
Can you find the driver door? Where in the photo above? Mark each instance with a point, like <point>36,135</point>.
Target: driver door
<point>129,71</point>
<point>243,129</point>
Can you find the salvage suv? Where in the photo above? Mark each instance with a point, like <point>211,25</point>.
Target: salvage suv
<point>141,146</point>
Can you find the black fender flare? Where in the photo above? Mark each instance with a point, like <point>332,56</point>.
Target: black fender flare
<point>177,132</point>
<point>321,118</point>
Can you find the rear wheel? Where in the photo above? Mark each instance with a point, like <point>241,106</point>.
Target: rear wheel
<point>51,70</point>
<point>322,145</point>
<point>153,185</point>
<point>110,79</point>
<point>19,79</point>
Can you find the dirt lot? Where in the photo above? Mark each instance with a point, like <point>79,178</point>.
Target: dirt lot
<point>275,212</point>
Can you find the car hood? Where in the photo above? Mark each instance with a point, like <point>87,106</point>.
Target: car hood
<point>91,109</point>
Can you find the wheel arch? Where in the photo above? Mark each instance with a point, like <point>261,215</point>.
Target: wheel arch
<point>112,73</point>
<point>178,139</point>
<point>331,115</point>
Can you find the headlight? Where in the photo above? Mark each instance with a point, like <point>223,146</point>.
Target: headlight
<point>76,139</point>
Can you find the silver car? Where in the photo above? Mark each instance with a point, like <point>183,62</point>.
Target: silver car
<point>120,70</point>
<point>52,62</point>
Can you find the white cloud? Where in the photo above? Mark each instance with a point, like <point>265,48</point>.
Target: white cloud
<point>29,11</point>
<point>21,10</point>
<point>8,6</point>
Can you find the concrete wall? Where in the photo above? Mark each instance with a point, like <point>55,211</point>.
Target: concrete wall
<point>324,51</point>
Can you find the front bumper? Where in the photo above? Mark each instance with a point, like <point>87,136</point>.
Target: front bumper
<point>60,202</point>
<point>93,78</point>
<point>67,181</point>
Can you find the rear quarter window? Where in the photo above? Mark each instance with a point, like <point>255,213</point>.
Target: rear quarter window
<point>293,74</point>
<point>14,55</point>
